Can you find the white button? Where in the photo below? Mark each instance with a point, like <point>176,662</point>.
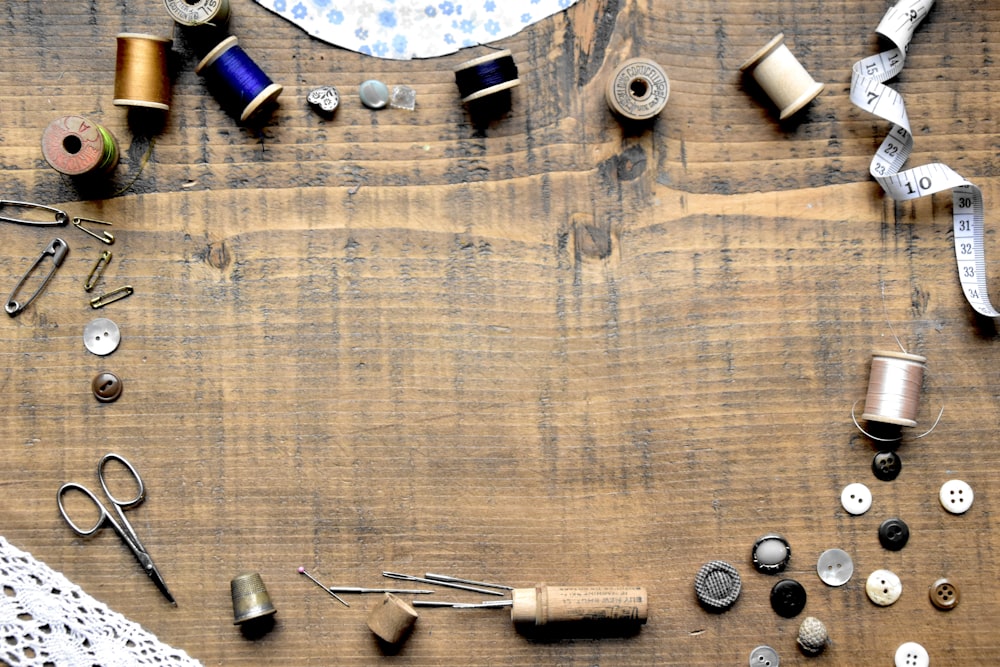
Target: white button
<point>956,496</point>
<point>912,654</point>
<point>101,336</point>
<point>856,498</point>
<point>764,656</point>
<point>835,567</point>
<point>883,587</point>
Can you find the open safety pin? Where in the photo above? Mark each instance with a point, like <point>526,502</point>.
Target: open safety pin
<point>57,250</point>
<point>103,237</point>
<point>60,217</point>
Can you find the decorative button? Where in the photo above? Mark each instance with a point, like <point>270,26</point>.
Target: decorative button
<point>956,496</point>
<point>717,585</point>
<point>374,94</point>
<point>886,466</point>
<point>883,587</point>
<point>813,636</point>
<point>107,387</point>
<point>893,534</point>
<point>912,654</point>
<point>835,567</point>
<point>764,656</point>
<point>856,498</point>
<point>324,98</point>
<point>101,336</point>
<point>788,598</point>
<point>771,554</point>
<point>944,594</point>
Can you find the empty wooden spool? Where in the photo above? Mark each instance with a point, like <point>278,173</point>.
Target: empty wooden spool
<point>782,77</point>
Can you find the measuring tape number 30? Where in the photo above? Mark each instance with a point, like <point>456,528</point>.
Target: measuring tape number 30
<point>869,93</point>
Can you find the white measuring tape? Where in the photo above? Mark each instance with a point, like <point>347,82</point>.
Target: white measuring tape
<point>869,93</point>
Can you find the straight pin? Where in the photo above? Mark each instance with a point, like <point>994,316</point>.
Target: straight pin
<point>449,584</point>
<point>341,600</point>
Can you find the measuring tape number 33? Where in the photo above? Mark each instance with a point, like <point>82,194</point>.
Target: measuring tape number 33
<point>869,93</point>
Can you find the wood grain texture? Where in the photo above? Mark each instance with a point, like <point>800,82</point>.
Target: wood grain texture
<point>552,350</point>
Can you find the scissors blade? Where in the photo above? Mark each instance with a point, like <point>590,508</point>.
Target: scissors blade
<point>154,574</point>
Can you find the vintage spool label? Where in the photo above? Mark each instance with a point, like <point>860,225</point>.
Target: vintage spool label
<point>638,89</point>
<point>73,145</point>
<point>197,13</point>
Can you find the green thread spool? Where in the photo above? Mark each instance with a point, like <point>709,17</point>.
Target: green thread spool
<point>76,146</point>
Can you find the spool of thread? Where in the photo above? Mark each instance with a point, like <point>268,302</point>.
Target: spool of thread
<point>487,75</point>
<point>894,388</point>
<point>199,13</point>
<point>545,605</point>
<point>75,146</point>
<point>638,89</point>
<point>142,78</point>
<point>782,77</point>
<point>236,81</point>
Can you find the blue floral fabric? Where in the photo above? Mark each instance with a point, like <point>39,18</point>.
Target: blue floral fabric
<point>404,29</point>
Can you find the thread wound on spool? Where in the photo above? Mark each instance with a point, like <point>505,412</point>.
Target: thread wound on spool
<point>894,388</point>
<point>239,84</point>
<point>74,145</point>
<point>142,77</point>
<point>782,77</point>
<point>197,13</point>
<point>487,75</point>
<point>638,89</point>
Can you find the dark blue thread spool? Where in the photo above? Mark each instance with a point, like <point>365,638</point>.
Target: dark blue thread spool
<point>485,83</point>
<point>236,81</point>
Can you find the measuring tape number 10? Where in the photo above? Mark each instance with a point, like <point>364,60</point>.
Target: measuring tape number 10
<point>869,93</point>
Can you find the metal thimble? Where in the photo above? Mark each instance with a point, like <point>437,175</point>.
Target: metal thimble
<point>250,598</point>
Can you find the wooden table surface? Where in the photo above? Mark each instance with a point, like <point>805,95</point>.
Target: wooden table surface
<point>555,349</point>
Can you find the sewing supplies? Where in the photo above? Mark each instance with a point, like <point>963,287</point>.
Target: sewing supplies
<point>76,146</point>
<point>97,270</point>
<point>456,580</point>
<point>637,89</point>
<point>869,93</point>
<point>110,297</point>
<point>403,97</point>
<point>325,99</point>
<point>106,386</point>
<point>782,77</point>
<point>104,237</point>
<point>121,525</point>
<point>357,590</point>
<point>101,336</point>
<point>53,216</point>
<point>894,388</point>
<point>448,584</point>
<point>142,76</point>
<point>198,13</point>
<point>486,76</point>
<point>392,619</point>
<point>239,84</point>
<point>250,598</point>
<point>373,93</point>
<point>57,250</point>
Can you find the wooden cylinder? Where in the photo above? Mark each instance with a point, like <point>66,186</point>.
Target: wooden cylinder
<point>782,77</point>
<point>638,89</point>
<point>392,619</point>
<point>543,605</point>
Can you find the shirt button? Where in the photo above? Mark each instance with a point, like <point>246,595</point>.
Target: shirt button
<point>717,585</point>
<point>374,94</point>
<point>788,598</point>
<point>886,466</point>
<point>944,594</point>
<point>835,567</point>
<point>856,498</point>
<point>771,554</point>
<point>107,387</point>
<point>956,496</point>
<point>893,534</point>
<point>101,336</point>
<point>883,587</point>
<point>764,656</point>
<point>912,654</point>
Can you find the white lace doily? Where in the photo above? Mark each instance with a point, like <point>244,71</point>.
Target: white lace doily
<point>45,619</point>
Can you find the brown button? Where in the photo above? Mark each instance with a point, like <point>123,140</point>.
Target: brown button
<point>944,594</point>
<point>107,387</point>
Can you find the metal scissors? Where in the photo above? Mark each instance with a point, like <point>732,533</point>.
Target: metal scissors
<point>121,525</point>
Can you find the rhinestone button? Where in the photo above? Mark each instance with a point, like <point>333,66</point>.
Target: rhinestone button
<point>883,587</point>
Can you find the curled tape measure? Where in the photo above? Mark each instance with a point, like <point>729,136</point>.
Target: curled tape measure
<point>869,93</point>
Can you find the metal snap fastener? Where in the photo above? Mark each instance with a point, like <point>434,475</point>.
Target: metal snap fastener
<point>883,587</point>
<point>912,654</point>
<point>764,656</point>
<point>717,585</point>
<point>101,336</point>
<point>813,636</point>
<point>107,387</point>
<point>893,534</point>
<point>956,496</point>
<point>835,567</point>
<point>886,466</point>
<point>788,598</point>
<point>856,498</point>
<point>944,594</point>
<point>771,553</point>
<point>374,94</point>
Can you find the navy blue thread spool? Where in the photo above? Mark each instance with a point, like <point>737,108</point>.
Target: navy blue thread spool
<point>236,81</point>
<point>484,83</point>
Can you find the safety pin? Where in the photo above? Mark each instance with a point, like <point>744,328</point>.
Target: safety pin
<point>103,237</point>
<point>60,216</point>
<point>111,297</point>
<point>57,249</point>
<point>95,273</point>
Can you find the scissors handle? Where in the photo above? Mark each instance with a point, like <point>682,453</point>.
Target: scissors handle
<point>102,513</point>
<point>123,504</point>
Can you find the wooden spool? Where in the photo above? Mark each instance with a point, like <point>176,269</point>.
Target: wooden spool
<point>392,619</point>
<point>782,77</point>
<point>638,89</point>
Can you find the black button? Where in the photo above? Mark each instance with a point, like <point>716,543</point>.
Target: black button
<point>788,598</point>
<point>893,534</point>
<point>886,466</point>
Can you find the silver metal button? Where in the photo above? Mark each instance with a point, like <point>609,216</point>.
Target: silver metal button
<point>374,94</point>
<point>764,656</point>
<point>956,496</point>
<point>101,336</point>
<point>835,567</point>
<point>856,498</point>
<point>912,654</point>
<point>883,587</point>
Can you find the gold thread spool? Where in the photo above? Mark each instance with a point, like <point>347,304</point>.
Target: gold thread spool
<point>894,388</point>
<point>782,77</point>
<point>141,76</point>
<point>638,89</point>
<point>198,13</point>
<point>75,146</point>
